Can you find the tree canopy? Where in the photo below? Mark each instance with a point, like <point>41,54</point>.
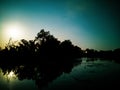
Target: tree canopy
<point>46,47</point>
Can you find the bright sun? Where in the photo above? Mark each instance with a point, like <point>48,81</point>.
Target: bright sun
<point>13,31</point>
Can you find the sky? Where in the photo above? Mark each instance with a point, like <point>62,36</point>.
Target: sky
<point>87,23</point>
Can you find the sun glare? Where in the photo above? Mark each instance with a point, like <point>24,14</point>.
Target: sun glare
<point>14,31</point>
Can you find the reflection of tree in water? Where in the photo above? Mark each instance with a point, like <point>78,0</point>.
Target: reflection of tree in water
<point>42,73</point>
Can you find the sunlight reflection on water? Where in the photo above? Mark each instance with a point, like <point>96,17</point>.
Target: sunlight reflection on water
<point>10,75</point>
<point>10,81</point>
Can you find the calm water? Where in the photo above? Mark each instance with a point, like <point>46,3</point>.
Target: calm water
<point>85,74</point>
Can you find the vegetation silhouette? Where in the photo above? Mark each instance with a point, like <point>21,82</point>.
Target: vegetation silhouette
<point>103,55</point>
<point>44,47</point>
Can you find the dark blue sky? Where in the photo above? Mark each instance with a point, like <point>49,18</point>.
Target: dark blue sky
<point>87,23</point>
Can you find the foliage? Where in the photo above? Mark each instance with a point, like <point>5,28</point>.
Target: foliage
<point>44,47</point>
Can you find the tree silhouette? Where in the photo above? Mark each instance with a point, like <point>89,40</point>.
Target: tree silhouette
<point>42,36</point>
<point>46,47</point>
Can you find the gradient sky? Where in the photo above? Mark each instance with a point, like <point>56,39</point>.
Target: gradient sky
<point>87,23</point>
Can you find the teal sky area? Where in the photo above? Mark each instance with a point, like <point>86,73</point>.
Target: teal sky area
<point>87,23</point>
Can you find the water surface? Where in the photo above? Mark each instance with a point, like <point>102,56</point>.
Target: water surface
<point>83,74</point>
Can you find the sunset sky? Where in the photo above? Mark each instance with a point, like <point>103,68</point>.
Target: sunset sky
<point>87,23</point>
